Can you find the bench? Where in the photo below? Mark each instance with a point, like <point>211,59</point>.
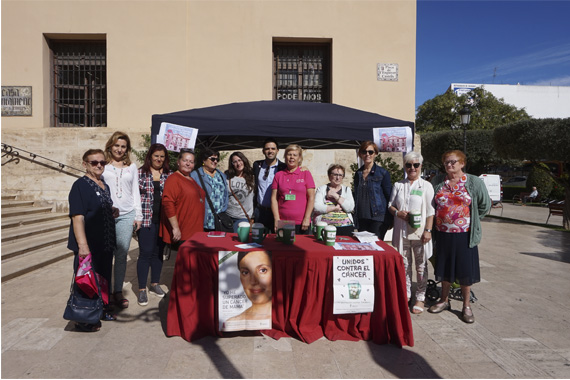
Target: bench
<point>522,196</point>
<point>555,208</point>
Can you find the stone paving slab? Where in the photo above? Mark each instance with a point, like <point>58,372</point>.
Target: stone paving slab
<point>522,319</point>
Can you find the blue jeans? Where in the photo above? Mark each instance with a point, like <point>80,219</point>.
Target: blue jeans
<point>124,230</point>
<point>150,255</point>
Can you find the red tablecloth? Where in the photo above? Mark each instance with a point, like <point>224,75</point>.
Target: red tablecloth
<point>302,293</point>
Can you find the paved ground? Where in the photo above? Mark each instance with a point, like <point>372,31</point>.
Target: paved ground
<point>522,319</point>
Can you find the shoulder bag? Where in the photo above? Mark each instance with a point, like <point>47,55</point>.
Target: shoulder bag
<point>81,309</point>
<point>222,221</point>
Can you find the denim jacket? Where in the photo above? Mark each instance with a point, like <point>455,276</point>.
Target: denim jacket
<point>379,192</point>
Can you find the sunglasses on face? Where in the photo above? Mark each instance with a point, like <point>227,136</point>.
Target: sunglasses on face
<point>450,162</point>
<point>95,163</point>
<point>368,152</point>
<point>415,165</point>
<point>213,159</point>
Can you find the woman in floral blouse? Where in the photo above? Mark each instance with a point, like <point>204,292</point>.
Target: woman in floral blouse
<point>461,200</point>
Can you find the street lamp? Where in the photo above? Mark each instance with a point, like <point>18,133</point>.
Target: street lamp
<point>465,114</point>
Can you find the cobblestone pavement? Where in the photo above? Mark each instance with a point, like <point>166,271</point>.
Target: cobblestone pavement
<point>522,319</point>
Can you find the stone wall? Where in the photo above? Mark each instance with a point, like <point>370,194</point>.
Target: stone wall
<point>43,181</point>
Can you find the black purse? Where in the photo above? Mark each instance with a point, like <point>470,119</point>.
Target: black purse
<point>82,309</point>
<point>222,221</point>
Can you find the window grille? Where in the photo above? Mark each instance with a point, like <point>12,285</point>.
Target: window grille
<point>302,72</point>
<point>79,84</point>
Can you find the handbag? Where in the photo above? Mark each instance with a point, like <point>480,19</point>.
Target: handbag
<point>250,220</point>
<point>82,309</point>
<point>222,221</point>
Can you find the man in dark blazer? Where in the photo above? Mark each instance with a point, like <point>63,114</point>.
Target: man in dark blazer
<point>264,171</point>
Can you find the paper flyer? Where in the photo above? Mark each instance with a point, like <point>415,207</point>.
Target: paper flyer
<point>353,284</point>
<point>244,290</point>
<point>175,137</point>
<point>396,139</point>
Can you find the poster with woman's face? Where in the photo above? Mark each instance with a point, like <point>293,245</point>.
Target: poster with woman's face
<point>244,290</point>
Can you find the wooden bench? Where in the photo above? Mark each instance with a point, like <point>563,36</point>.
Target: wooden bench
<point>522,196</point>
<point>555,208</point>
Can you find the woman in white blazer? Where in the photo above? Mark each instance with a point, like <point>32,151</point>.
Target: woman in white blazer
<point>334,202</point>
<point>413,195</point>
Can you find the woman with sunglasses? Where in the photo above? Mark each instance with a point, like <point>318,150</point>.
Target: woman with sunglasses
<point>214,183</point>
<point>123,179</point>
<point>92,228</point>
<point>334,202</point>
<point>461,201</point>
<point>372,187</point>
<point>412,196</point>
<point>242,185</point>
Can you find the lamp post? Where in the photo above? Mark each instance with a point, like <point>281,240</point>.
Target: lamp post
<point>465,114</point>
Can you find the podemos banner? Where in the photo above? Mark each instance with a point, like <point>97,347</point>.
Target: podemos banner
<point>353,284</point>
<point>244,290</point>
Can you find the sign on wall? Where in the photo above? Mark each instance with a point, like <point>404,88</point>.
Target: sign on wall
<point>387,71</point>
<point>16,100</point>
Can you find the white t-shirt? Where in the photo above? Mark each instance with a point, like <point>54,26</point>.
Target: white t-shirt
<point>245,195</point>
<point>124,186</point>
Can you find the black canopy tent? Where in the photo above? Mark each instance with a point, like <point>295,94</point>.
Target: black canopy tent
<point>247,125</point>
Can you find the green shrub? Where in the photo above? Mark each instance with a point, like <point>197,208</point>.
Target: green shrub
<point>540,177</point>
<point>558,192</point>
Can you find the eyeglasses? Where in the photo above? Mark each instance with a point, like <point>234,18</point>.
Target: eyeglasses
<point>95,163</point>
<point>266,174</point>
<point>339,175</point>
<point>213,159</point>
<point>450,162</point>
<point>415,165</point>
<point>368,152</point>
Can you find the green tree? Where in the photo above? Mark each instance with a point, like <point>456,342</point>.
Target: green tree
<point>441,113</point>
<point>537,140</point>
<point>480,153</point>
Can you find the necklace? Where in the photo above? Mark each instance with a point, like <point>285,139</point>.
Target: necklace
<point>118,182</point>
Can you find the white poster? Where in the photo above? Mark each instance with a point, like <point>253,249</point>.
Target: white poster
<point>244,290</point>
<point>396,139</point>
<point>353,284</point>
<point>175,137</point>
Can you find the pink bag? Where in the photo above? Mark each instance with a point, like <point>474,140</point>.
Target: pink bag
<point>85,280</point>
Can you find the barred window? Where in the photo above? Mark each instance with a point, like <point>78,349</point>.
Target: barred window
<point>302,72</point>
<point>79,84</point>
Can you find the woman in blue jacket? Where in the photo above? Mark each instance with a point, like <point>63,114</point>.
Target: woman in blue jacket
<point>372,189</point>
<point>215,185</point>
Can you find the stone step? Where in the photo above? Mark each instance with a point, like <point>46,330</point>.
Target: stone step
<point>7,197</point>
<point>44,241</point>
<point>20,211</point>
<point>31,261</point>
<point>13,203</point>
<point>31,230</point>
<point>16,221</point>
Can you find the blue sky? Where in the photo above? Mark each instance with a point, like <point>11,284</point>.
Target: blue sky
<point>528,42</point>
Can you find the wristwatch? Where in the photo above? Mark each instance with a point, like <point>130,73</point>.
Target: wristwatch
<point>428,230</point>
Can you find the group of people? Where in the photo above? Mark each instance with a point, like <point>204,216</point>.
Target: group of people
<point>115,199</point>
